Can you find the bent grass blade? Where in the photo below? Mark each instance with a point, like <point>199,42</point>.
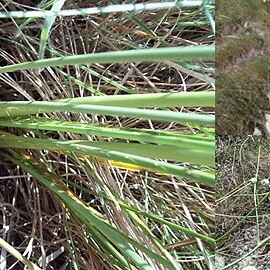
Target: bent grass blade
<point>12,141</point>
<point>129,56</point>
<point>20,108</point>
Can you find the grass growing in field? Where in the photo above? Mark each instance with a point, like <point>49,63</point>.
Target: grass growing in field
<point>107,138</point>
<point>243,190</point>
<point>243,62</point>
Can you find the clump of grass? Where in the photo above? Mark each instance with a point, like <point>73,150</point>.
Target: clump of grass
<point>103,152</point>
<point>243,66</point>
<point>242,200</point>
<point>246,90</point>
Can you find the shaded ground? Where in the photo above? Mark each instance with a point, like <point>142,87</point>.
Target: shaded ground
<point>243,66</point>
<point>243,205</point>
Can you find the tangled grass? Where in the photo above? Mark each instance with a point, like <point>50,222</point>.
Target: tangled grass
<point>107,139</point>
<point>243,191</point>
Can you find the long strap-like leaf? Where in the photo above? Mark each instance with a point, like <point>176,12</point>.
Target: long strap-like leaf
<point>145,55</point>
<point>22,108</point>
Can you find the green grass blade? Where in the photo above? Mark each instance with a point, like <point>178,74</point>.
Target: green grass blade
<point>210,18</point>
<point>185,141</point>
<point>12,141</point>
<point>173,153</point>
<point>49,21</point>
<point>98,10</point>
<point>187,99</point>
<point>20,108</point>
<point>146,55</point>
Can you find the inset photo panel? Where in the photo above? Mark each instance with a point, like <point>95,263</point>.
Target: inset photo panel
<point>243,67</point>
<point>242,203</point>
